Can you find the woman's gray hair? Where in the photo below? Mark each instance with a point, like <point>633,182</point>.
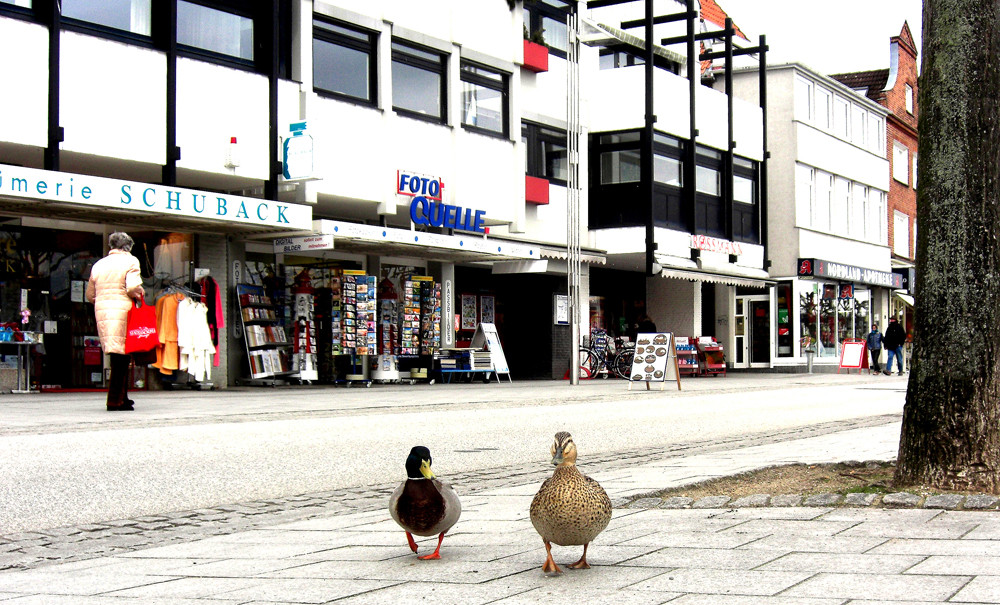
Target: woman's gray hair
<point>119,240</point>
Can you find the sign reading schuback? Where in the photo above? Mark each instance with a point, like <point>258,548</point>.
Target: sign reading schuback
<point>814,267</point>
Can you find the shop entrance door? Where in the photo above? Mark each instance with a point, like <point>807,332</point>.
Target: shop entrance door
<point>752,331</point>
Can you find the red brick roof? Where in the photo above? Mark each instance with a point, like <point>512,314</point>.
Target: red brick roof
<point>712,12</point>
<point>873,81</point>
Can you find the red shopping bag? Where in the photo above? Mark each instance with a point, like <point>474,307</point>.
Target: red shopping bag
<point>141,329</point>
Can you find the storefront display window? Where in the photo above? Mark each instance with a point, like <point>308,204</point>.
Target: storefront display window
<point>784,320</point>
<point>836,312</point>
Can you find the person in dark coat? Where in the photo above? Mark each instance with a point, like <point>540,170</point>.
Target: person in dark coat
<point>874,344</point>
<point>645,325</point>
<point>893,340</point>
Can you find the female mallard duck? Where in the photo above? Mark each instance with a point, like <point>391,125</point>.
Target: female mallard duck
<point>423,505</point>
<point>570,509</point>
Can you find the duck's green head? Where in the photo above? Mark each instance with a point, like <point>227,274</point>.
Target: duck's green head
<point>418,463</point>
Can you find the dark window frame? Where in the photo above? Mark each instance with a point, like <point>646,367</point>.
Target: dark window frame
<point>440,68</point>
<point>743,211</point>
<point>98,30</point>
<point>535,136</point>
<point>19,12</point>
<point>503,87</point>
<point>211,56</point>
<point>619,52</point>
<point>537,10</point>
<point>346,41</point>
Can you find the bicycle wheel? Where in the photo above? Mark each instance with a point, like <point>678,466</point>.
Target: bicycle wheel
<point>623,363</point>
<point>589,361</point>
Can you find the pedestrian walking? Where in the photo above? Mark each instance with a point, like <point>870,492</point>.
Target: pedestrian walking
<point>893,341</point>
<point>114,283</point>
<point>874,344</point>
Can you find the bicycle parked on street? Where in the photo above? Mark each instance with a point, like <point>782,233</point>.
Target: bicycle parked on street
<point>606,356</point>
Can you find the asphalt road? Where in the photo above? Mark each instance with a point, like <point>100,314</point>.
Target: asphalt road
<point>88,466</point>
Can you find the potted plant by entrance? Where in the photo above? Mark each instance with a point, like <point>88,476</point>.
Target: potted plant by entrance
<point>536,54</point>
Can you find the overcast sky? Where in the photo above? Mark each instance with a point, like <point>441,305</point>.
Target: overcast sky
<point>830,37</point>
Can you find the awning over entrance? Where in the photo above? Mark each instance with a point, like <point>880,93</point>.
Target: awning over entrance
<point>69,196</point>
<point>718,278</point>
<point>591,258</point>
<point>906,298</point>
<point>388,241</point>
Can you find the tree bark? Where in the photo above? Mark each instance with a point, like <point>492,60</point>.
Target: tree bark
<point>951,421</point>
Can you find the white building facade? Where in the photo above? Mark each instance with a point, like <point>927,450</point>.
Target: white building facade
<point>828,186</point>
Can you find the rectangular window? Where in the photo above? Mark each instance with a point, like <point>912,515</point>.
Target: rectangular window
<point>803,99</point>
<point>841,117</point>
<point>859,125</point>
<point>908,99</point>
<point>418,83</point>
<point>805,178</point>
<point>344,61</point>
<point>841,206</point>
<point>545,152</point>
<point>668,170</point>
<point>880,217</point>
<point>21,3</point>
<point>900,163</point>
<point>620,167</point>
<point>824,193</point>
<point>743,190</point>
<point>708,180</point>
<point>484,99</point>
<point>900,234</point>
<point>914,171</point>
<point>824,101</point>
<point>876,134</point>
<point>132,16</point>
<point>214,30</point>
<point>548,19</point>
<point>859,210</point>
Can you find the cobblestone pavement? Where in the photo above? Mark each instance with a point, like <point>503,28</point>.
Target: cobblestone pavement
<point>29,550</point>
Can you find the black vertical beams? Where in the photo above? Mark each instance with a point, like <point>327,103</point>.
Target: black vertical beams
<point>55,132</point>
<point>727,200</point>
<point>168,31</point>
<point>762,203</point>
<point>692,154</point>
<point>274,167</point>
<point>647,141</point>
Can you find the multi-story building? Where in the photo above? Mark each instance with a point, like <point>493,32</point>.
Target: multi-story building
<point>895,88</point>
<point>828,184</point>
<point>296,146</point>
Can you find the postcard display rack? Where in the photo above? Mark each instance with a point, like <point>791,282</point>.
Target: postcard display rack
<point>353,322</point>
<point>267,344</point>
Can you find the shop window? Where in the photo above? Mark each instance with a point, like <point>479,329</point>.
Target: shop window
<point>548,18</point>
<point>203,28</point>
<point>545,152</point>
<point>485,99</point>
<point>344,61</point>
<point>784,320</point>
<point>418,83</point>
<point>133,16</point>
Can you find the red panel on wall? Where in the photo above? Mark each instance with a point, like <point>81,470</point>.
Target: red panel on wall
<point>536,190</point>
<point>536,56</point>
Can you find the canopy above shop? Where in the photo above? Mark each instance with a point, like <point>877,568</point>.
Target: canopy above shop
<point>718,278</point>
<point>387,241</point>
<point>906,298</point>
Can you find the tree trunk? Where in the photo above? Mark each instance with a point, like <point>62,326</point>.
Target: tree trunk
<point>951,421</point>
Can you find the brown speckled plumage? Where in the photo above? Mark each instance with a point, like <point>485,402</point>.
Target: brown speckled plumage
<point>570,509</point>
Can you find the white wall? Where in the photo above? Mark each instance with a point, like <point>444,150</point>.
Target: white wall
<point>215,103</point>
<point>828,153</point>
<point>116,112</point>
<point>24,47</point>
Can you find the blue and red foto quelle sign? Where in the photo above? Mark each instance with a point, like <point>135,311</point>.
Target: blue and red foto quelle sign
<point>427,207</point>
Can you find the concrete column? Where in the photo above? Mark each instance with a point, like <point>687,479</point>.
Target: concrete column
<point>236,358</point>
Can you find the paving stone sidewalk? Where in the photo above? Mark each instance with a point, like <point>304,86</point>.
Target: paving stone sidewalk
<point>32,549</point>
<point>773,555</point>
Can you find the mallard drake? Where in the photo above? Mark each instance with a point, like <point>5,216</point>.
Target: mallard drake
<point>570,508</point>
<point>423,505</point>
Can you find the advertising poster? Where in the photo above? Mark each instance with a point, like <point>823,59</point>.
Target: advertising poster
<point>469,314</point>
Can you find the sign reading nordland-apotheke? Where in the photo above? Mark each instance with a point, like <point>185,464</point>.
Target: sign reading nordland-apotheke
<point>47,185</point>
<point>815,267</point>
